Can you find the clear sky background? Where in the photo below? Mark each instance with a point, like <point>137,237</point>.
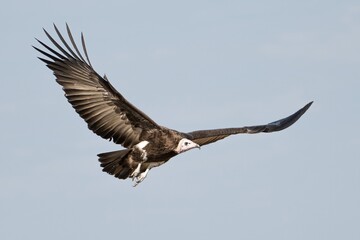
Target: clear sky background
<point>189,65</point>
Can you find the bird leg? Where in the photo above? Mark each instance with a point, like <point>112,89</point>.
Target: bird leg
<point>140,177</point>
<point>136,172</point>
<point>141,153</point>
<point>140,146</point>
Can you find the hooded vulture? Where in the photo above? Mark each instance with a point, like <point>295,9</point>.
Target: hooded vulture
<point>109,115</point>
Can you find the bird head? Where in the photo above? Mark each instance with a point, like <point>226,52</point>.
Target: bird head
<point>186,145</point>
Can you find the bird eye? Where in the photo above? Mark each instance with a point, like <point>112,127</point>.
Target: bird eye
<point>187,143</point>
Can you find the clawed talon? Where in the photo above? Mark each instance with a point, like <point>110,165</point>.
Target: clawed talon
<point>137,176</point>
<point>140,177</point>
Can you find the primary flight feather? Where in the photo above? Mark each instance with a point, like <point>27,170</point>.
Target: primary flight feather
<point>109,115</point>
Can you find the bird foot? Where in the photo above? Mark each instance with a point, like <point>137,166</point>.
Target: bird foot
<point>136,172</point>
<point>140,177</point>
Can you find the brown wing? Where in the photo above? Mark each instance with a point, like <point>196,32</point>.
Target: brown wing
<point>106,111</point>
<point>204,137</point>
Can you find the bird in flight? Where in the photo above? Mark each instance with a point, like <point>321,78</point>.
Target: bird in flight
<point>109,115</point>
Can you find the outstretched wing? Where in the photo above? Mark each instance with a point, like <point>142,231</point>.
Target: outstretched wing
<point>106,111</point>
<point>204,137</point>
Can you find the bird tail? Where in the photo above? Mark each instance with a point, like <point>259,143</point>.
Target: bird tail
<point>114,163</point>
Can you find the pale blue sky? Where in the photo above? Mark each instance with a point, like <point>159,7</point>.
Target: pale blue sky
<point>189,65</point>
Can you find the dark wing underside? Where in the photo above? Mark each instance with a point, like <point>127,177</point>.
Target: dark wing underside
<point>204,137</point>
<point>106,111</point>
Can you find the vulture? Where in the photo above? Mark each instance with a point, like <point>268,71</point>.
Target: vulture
<point>109,115</point>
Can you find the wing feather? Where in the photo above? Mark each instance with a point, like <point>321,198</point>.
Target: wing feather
<point>204,137</point>
<point>107,113</point>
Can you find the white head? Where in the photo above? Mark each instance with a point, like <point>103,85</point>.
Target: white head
<point>185,145</point>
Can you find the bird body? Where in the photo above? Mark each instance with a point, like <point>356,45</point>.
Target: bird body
<point>109,115</point>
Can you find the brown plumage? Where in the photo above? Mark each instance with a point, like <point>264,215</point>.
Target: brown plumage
<point>109,115</point>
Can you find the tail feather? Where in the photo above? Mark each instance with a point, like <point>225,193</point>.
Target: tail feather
<point>114,163</point>
<point>123,173</point>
